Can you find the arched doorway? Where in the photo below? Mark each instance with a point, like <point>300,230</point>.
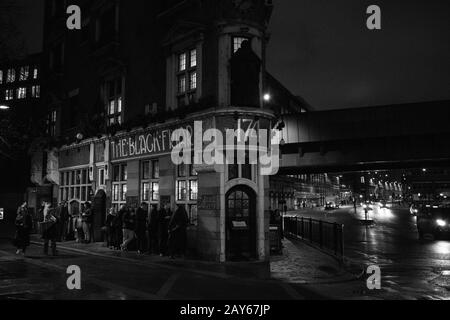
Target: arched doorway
<point>241,224</point>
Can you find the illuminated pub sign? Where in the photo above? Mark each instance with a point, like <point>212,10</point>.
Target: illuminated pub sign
<point>147,143</point>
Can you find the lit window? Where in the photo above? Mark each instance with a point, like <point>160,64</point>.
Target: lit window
<point>24,73</point>
<point>193,190</point>
<point>36,91</point>
<point>1,77</point>
<point>181,190</point>
<point>35,73</point>
<point>9,95</point>
<point>187,77</point>
<point>155,191</point>
<point>193,81</point>
<point>237,43</point>
<point>182,62</point>
<point>21,93</point>
<point>114,101</point>
<point>145,191</point>
<point>182,84</point>
<point>193,55</point>
<point>11,76</point>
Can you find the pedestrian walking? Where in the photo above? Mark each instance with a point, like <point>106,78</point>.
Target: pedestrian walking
<point>153,222</point>
<point>87,218</point>
<point>163,229</point>
<point>24,225</point>
<point>177,232</point>
<point>129,224</point>
<point>49,227</point>
<point>141,227</point>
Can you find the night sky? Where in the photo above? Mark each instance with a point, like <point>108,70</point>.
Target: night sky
<point>323,51</point>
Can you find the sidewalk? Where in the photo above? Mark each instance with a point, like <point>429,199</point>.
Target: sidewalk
<point>253,270</point>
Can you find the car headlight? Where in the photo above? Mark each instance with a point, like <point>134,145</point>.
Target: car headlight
<point>441,223</point>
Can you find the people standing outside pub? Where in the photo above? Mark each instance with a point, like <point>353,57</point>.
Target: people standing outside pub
<point>177,232</point>
<point>24,225</point>
<point>87,218</point>
<point>153,222</point>
<point>129,224</point>
<point>141,227</point>
<point>49,227</point>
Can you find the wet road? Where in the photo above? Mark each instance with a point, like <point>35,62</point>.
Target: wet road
<point>411,268</point>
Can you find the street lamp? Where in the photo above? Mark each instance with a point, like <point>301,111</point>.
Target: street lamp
<point>267,97</point>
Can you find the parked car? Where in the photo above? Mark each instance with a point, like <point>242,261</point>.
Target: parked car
<point>433,220</point>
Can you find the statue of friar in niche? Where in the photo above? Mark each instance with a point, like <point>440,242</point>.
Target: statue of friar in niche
<point>245,77</point>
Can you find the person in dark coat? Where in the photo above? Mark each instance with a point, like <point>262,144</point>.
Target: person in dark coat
<point>163,230</point>
<point>64,221</point>
<point>24,225</point>
<point>129,225</point>
<point>177,232</point>
<point>141,227</point>
<point>50,234</point>
<point>153,222</point>
<point>118,224</point>
<point>110,229</point>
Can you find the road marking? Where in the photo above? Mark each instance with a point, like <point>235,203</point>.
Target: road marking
<point>101,283</point>
<point>168,285</point>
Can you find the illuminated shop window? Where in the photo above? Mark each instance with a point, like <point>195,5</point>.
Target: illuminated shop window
<point>150,181</point>
<point>119,187</point>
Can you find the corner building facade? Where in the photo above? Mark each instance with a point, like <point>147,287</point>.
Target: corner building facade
<point>135,73</point>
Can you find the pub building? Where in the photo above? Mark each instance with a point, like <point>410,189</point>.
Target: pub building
<point>135,73</point>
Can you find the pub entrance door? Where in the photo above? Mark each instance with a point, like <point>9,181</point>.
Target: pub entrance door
<point>241,224</point>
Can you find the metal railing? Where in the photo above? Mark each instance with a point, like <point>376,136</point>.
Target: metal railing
<point>326,235</point>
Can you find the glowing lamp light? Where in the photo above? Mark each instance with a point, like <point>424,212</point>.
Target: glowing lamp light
<point>441,223</point>
<point>267,97</point>
<point>4,107</point>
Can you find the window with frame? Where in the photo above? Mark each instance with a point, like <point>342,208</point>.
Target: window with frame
<point>9,95</point>
<point>51,123</point>
<point>237,42</point>
<point>119,186</point>
<point>21,93</point>
<point>24,73</point>
<point>10,76</point>
<point>36,91</point>
<point>187,184</point>
<point>114,100</point>
<point>75,185</point>
<point>187,77</point>
<point>150,181</point>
